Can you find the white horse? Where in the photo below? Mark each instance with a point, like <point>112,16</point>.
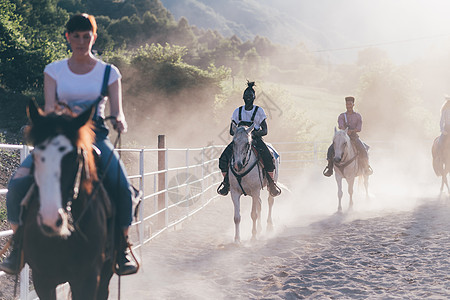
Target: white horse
<point>346,165</point>
<point>441,160</point>
<point>246,178</point>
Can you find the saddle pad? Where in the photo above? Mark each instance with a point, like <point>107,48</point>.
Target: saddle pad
<point>272,149</point>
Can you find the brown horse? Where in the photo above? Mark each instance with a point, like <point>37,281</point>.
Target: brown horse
<point>441,159</point>
<point>67,221</point>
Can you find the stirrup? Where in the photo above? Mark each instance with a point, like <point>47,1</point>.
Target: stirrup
<point>327,171</point>
<point>12,264</point>
<point>369,170</point>
<point>124,265</point>
<point>127,267</point>
<point>223,189</point>
<point>274,190</point>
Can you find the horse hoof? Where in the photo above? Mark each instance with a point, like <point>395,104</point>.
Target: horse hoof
<point>269,227</point>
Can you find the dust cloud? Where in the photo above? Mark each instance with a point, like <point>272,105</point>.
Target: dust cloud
<point>199,261</point>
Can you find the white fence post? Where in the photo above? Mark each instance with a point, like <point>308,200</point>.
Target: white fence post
<point>141,205</point>
<point>162,159</point>
<point>166,188</point>
<point>203,175</point>
<point>24,151</point>
<point>187,183</point>
<point>25,273</point>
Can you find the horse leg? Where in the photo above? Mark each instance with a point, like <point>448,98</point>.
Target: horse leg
<point>105,278</point>
<point>444,182</point>
<point>366,185</point>
<point>350,183</point>
<point>86,287</point>
<point>256,215</point>
<point>45,289</point>
<point>269,217</point>
<point>340,193</point>
<point>237,216</point>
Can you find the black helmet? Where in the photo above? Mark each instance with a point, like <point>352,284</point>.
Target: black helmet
<point>249,93</point>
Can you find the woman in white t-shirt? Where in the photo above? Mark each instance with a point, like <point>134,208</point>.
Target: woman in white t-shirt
<point>77,82</point>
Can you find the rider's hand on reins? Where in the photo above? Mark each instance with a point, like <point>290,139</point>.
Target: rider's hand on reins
<point>119,125</point>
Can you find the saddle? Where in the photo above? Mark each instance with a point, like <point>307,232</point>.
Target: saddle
<point>274,154</point>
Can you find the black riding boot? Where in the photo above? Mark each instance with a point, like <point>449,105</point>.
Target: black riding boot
<point>328,171</point>
<point>12,264</point>
<point>224,187</point>
<point>125,265</point>
<point>274,190</point>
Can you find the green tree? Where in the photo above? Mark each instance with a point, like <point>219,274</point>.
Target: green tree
<point>23,52</point>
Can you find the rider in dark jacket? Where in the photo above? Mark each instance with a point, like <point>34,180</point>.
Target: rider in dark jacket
<point>246,116</point>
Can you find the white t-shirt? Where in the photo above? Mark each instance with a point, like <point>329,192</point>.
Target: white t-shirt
<point>80,91</point>
<point>246,115</point>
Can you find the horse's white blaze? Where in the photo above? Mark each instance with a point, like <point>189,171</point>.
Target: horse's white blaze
<point>47,161</point>
<point>241,147</point>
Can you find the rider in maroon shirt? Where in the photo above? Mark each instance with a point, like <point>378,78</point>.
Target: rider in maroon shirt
<point>353,122</point>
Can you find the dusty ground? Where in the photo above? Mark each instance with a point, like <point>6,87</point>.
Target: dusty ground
<point>386,248</point>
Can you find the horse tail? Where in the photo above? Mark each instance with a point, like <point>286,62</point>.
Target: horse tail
<point>438,165</point>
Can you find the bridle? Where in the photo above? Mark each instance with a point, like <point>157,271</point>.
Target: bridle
<point>342,166</point>
<point>239,175</point>
<point>246,158</point>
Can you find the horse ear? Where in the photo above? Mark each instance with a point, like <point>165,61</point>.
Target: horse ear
<point>233,127</point>
<point>346,130</point>
<point>250,129</point>
<point>84,117</point>
<point>34,113</point>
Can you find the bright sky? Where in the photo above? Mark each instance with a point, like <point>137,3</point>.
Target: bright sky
<point>404,28</point>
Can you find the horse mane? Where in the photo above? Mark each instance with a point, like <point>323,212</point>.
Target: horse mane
<point>54,124</point>
<point>85,141</point>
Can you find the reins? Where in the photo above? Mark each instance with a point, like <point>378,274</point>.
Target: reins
<point>78,182</point>
<point>239,176</point>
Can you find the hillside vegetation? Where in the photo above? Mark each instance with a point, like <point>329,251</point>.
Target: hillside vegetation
<point>184,81</point>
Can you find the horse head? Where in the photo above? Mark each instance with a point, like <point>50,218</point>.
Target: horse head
<point>61,141</point>
<point>242,141</point>
<point>341,141</point>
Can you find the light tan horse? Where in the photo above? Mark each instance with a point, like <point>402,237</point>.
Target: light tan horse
<point>347,166</point>
<point>441,160</point>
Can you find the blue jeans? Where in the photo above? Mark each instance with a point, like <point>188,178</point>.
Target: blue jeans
<point>115,181</point>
